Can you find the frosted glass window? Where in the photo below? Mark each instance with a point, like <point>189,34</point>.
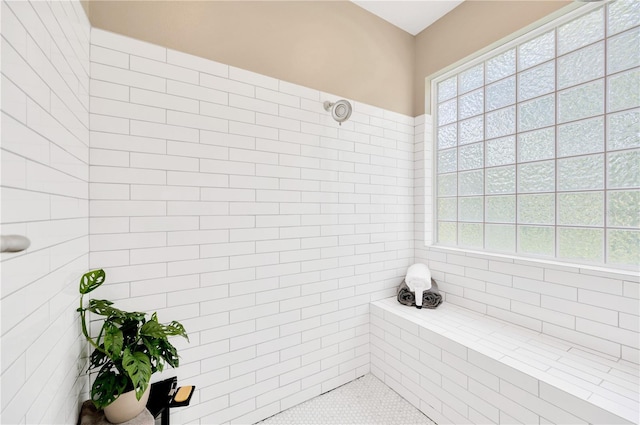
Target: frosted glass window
<point>471,235</point>
<point>471,130</point>
<point>447,161</point>
<point>501,180</point>
<point>448,136</point>
<point>501,151</point>
<point>537,177</point>
<point>537,142</point>
<point>581,209</point>
<point>501,123</point>
<point>623,14</point>
<point>581,137</point>
<point>536,209</point>
<point>471,183</point>
<point>501,209</point>
<point>537,145</point>
<point>471,78</point>
<point>536,51</point>
<point>581,173</point>
<point>623,91</point>
<point>623,51</point>
<point>501,94</point>
<point>582,101</point>
<point>447,89</point>
<point>447,112</point>
<point>622,130</point>
<point>471,209</point>
<point>500,237</point>
<point>537,81</point>
<point>447,209</point>
<point>537,113</point>
<point>536,240</point>
<point>471,156</point>
<point>590,62</point>
<point>581,31</point>
<point>623,169</point>
<point>577,243</point>
<point>623,208</point>
<point>501,66</point>
<point>623,246</point>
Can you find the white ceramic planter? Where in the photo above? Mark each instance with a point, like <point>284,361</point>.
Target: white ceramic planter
<point>126,407</point>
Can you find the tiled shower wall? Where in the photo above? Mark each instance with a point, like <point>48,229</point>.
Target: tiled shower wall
<point>233,203</point>
<point>594,308</point>
<point>45,173</point>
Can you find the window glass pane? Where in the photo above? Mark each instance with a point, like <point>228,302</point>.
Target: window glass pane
<point>501,123</point>
<point>584,244</point>
<point>447,161</point>
<point>623,169</point>
<point>501,209</point>
<point>470,183</point>
<point>582,101</point>
<point>501,180</point>
<point>471,235</point>
<point>581,173</point>
<point>581,137</point>
<point>501,66</point>
<point>447,112</point>
<point>471,209</point>
<point>501,94</point>
<point>537,81</point>
<point>537,177</point>
<point>447,209</point>
<point>447,136</point>
<point>537,209</point>
<point>538,50</point>
<point>581,31</point>
<point>447,89</point>
<point>623,51</point>
<point>447,232</point>
<point>623,246</point>
<point>471,79</point>
<point>471,104</point>
<point>471,130</point>
<point>623,208</point>
<point>500,237</point>
<point>448,185</point>
<point>581,66</point>
<point>581,209</point>
<point>537,113</point>
<point>623,91</point>
<point>623,14</point>
<point>536,240</point>
<point>471,156</point>
<point>622,130</point>
<point>501,151</point>
<point>537,145</point>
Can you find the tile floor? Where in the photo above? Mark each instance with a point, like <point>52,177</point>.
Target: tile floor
<point>365,401</point>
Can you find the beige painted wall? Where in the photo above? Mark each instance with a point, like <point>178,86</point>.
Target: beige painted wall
<point>334,46</point>
<point>468,28</point>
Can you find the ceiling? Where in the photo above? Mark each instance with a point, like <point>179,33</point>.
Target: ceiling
<point>411,16</point>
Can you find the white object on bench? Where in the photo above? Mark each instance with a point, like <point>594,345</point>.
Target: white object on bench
<point>472,368</point>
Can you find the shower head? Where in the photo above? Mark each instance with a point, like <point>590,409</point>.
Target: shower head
<point>340,110</point>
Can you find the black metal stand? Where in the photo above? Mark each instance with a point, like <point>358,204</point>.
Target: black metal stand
<point>161,399</point>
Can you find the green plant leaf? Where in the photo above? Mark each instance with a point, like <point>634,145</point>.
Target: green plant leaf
<point>113,340</point>
<point>108,386</point>
<point>138,368</point>
<point>91,280</point>
<point>98,358</point>
<point>176,328</point>
<point>168,352</point>
<point>153,329</point>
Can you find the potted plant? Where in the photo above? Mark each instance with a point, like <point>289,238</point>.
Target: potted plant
<point>128,349</point>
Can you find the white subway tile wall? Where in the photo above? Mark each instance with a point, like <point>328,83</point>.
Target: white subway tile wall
<point>44,192</point>
<point>596,308</point>
<point>233,203</point>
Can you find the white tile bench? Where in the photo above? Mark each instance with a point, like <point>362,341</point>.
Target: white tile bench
<point>458,366</point>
